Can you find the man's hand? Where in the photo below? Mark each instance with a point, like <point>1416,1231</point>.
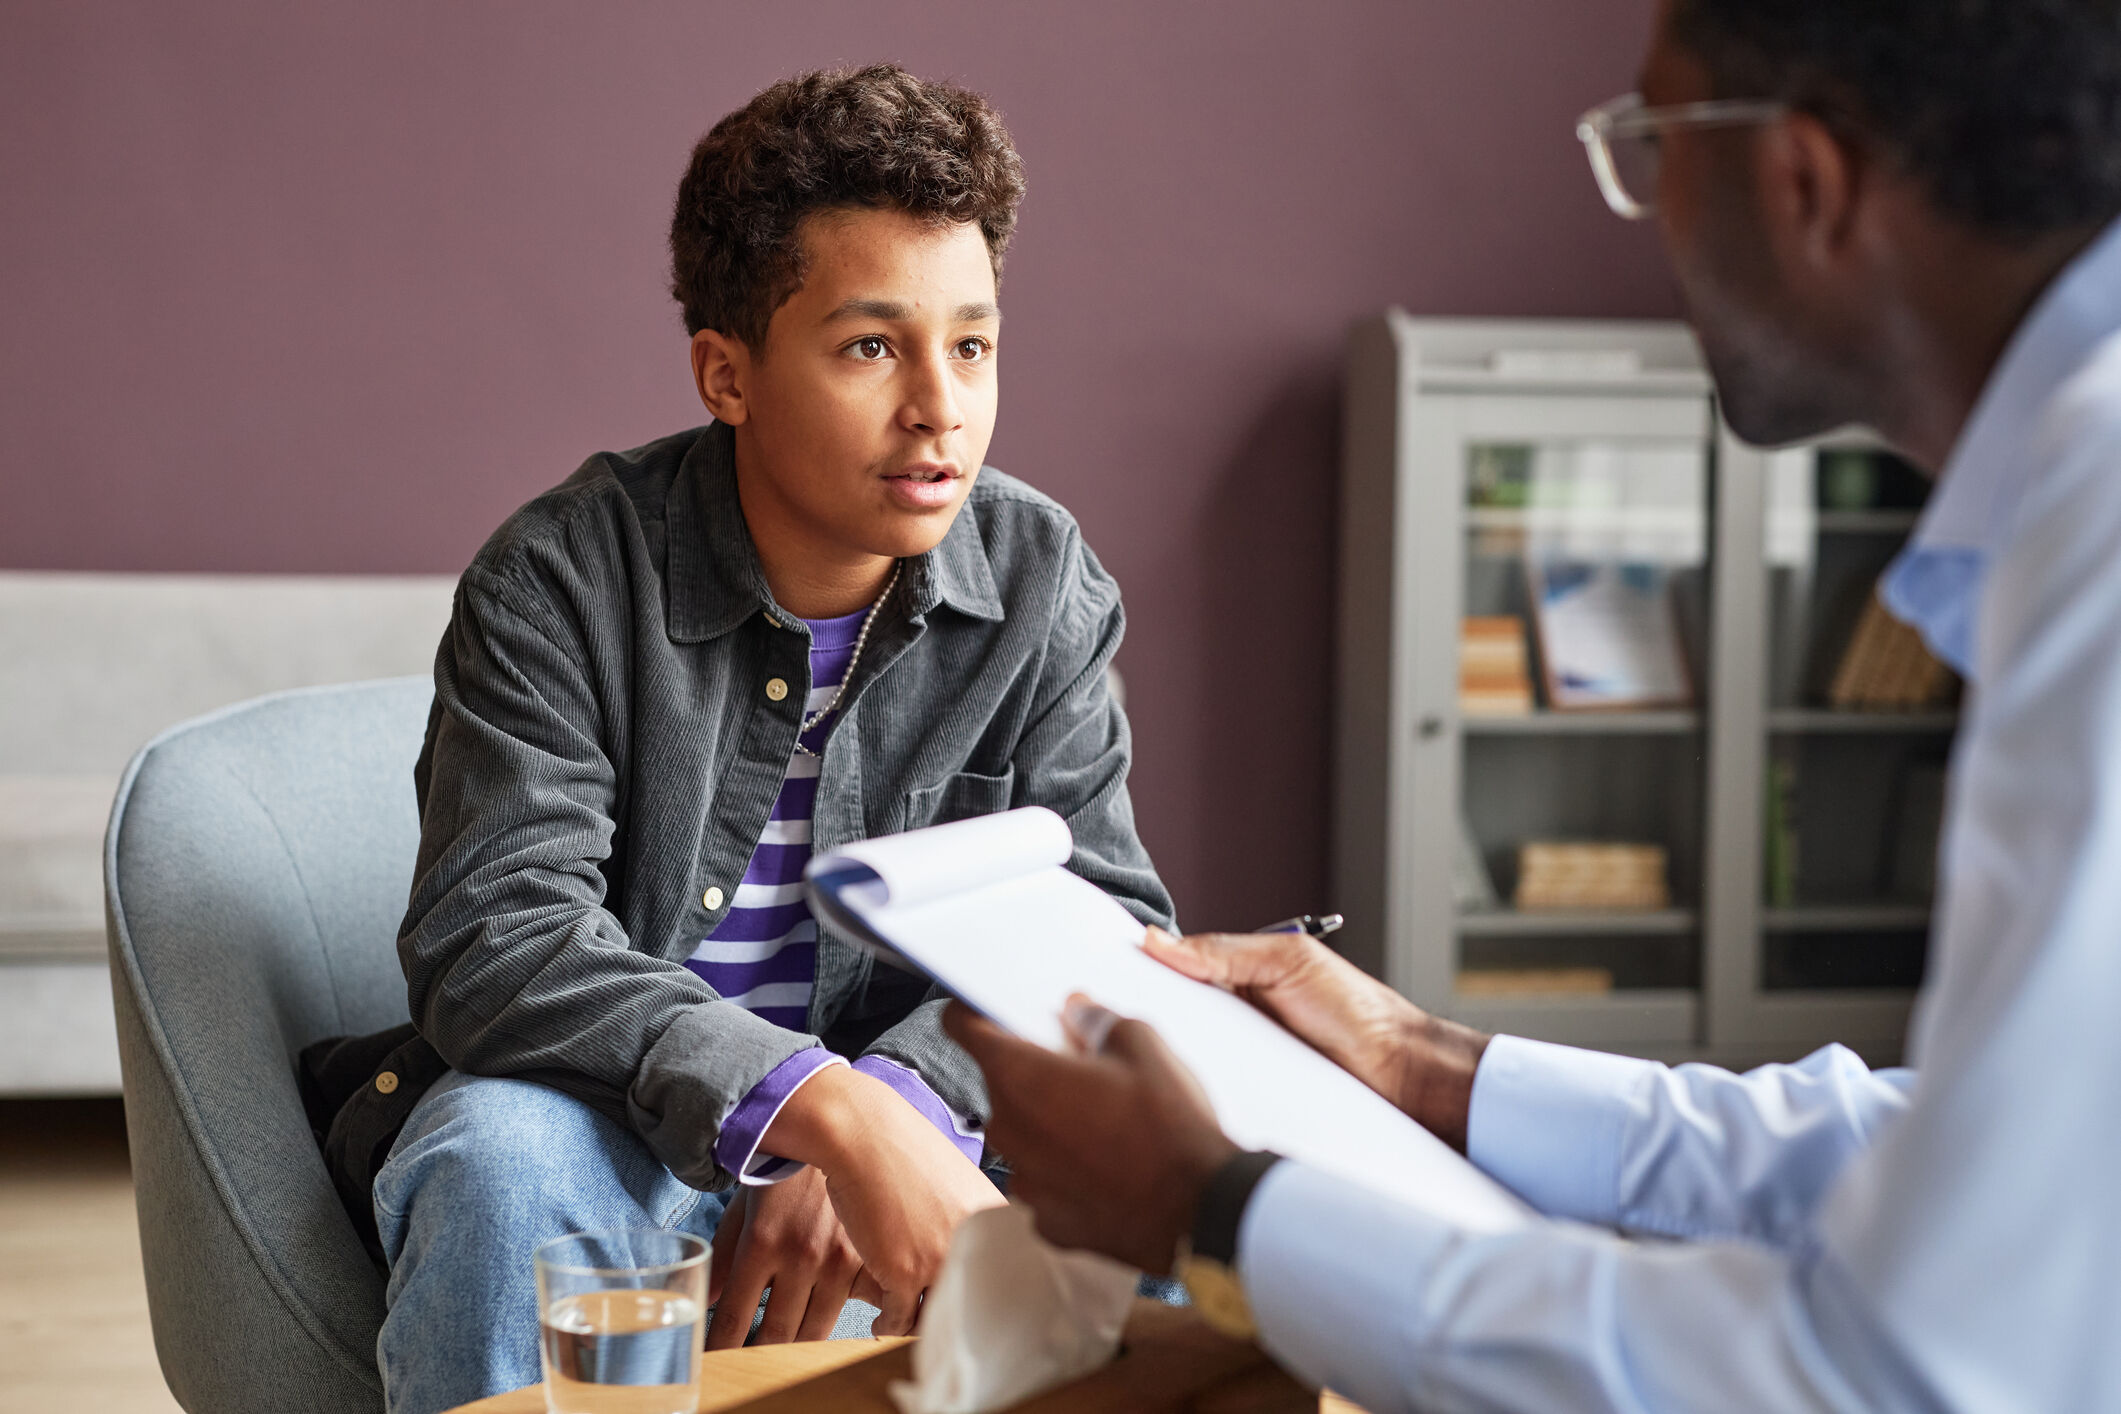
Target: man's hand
<point>898,1188</point>
<point>1111,1147</point>
<point>785,1237</point>
<point>1421,1063</point>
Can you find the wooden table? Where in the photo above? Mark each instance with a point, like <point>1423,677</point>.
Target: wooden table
<point>1170,1362</point>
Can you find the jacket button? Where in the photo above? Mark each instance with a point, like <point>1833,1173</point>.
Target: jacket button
<point>712,899</point>
<point>776,689</point>
<point>386,1081</point>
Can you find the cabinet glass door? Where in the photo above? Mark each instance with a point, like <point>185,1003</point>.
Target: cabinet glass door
<point>1859,719</point>
<point>1582,668</point>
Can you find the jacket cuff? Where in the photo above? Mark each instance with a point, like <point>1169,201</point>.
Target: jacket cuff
<point>693,1079</point>
<point>961,1130</point>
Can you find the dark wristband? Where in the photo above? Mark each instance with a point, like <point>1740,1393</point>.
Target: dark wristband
<point>1222,1205</point>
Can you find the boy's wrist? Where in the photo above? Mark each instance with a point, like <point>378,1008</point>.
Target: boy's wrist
<point>824,1124</point>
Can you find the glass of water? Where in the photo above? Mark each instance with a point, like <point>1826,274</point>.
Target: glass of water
<point>622,1316</point>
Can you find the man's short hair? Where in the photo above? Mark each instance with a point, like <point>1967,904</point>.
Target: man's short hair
<point>2007,111</point>
<point>864,138</point>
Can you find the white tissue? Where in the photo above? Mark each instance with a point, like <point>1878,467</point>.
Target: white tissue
<point>1012,1317</point>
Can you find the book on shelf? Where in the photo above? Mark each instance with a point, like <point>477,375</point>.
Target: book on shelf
<point>1609,635</point>
<point>1885,666</point>
<point>1472,890</point>
<point>1515,982</point>
<point>1563,874</point>
<point>1494,670</point>
<point>1781,832</point>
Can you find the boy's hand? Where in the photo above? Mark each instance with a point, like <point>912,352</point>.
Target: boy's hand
<point>785,1237</point>
<point>898,1187</point>
<point>1419,1062</point>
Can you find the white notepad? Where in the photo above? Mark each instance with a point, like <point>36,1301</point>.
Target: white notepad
<point>987,909</point>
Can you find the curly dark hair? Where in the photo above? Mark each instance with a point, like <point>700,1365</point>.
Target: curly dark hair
<point>2007,111</point>
<point>871,137</point>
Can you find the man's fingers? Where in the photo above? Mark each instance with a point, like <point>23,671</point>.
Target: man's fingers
<point>1181,955</point>
<point>1087,1023</point>
<point>1131,1040</point>
<point>1233,961</point>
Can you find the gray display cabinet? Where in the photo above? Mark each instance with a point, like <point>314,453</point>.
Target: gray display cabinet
<point>1795,854</point>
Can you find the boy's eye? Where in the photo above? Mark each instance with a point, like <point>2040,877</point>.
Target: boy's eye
<point>973,350</point>
<point>870,349</point>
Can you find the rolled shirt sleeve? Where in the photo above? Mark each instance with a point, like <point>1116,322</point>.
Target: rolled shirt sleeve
<point>738,1148</point>
<point>1686,1151</point>
<point>965,1131</point>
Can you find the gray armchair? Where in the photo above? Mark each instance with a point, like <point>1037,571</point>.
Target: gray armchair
<point>255,871</point>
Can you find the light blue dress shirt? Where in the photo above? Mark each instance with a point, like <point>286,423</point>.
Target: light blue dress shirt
<point>1942,1238</point>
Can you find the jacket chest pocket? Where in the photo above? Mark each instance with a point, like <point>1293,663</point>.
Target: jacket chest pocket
<point>962,796</point>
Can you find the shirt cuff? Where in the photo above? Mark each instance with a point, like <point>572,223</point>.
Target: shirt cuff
<point>970,1139</point>
<point>1335,1275</point>
<point>737,1147</point>
<point>1548,1121</point>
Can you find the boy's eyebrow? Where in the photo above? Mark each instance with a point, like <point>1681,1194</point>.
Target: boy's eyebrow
<point>892,309</point>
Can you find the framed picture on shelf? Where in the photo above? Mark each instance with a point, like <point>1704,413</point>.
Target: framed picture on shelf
<point>1608,635</point>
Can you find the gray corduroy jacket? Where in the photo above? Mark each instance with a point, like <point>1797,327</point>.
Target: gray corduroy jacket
<point>603,754</point>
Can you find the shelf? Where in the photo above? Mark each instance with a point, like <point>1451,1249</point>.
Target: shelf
<point>1650,1017</point>
<point>1584,724</point>
<point>1884,522</point>
<point>1792,721</point>
<point>1545,923</point>
<point>1847,918</point>
<point>1691,520</point>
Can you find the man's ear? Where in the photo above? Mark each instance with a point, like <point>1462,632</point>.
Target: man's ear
<point>1812,188</point>
<point>721,367</point>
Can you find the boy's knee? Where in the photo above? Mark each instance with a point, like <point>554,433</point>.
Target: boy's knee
<point>492,1153</point>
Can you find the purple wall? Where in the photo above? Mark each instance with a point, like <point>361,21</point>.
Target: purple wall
<point>336,287</point>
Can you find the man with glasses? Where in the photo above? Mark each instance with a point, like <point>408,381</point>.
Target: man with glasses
<point>1897,213</point>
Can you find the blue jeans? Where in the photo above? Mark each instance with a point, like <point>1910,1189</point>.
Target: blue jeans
<point>485,1171</point>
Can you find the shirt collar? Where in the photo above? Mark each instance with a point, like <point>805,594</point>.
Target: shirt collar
<point>715,579</point>
<point>1935,582</point>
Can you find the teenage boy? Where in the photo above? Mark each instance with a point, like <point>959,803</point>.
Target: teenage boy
<point>671,678</point>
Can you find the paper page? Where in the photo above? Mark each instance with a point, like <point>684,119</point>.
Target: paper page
<point>1017,948</point>
<point>961,856</point>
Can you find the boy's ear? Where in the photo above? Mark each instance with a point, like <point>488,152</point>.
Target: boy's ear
<point>721,366</point>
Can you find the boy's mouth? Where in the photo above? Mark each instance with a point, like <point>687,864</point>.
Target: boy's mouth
<point>923,485</point>
<point>926,472</point>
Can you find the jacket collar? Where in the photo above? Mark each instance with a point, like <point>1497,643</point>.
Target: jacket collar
<point>715,579</point>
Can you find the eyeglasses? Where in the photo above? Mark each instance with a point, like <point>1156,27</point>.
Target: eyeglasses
<point>1625,140</point>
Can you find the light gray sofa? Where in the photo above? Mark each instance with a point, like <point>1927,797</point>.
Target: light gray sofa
<point>91,665</point>
<point>255,871</point>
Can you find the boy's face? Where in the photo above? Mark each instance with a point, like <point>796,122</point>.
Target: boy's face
<point>864,418</point>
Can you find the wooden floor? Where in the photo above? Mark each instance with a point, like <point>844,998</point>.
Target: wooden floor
<point>73,1309</point>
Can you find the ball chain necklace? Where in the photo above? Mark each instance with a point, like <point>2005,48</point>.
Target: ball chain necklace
<point>860,641</point>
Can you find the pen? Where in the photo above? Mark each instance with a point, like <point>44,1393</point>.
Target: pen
<point>1316,924</point>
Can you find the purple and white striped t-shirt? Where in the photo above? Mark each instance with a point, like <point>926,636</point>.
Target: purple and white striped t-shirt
<point>762,956</point>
